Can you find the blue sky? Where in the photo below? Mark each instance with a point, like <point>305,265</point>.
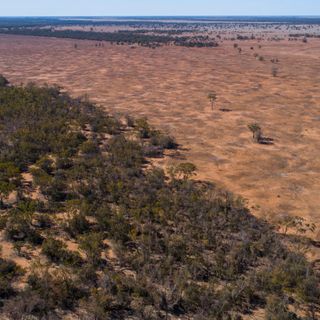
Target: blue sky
<point>157,7</point>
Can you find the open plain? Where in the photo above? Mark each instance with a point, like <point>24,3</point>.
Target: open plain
<point>169,85</point>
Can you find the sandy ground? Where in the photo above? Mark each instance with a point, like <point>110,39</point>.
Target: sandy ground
<point>170,85</point>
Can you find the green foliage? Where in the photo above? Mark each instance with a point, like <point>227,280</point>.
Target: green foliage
<point>19,228</point>
<point>256,131</point>
<point>277,309</point>
<point>212,96</point>
<point>92,245</point>
<point>183,170</point>
<point>308,290</point>
<point>254,127</point>
<point>143,128</point>
<point>36,126</point>
<point>125,153</point>
<point>77,225</point>
<point>53,187</point>
<point>53,249</point>
<point>89,148</point>
<point>9,179</point>
<point>8,272</point>
<point>103,215</point>
<point>99,305</point>
<point>8,269</point>
<point>162,140</point>
<point>154,246</point>
<point>121,37</point>
<point>46,164</point>
<point>57,252</point>
<point>57,288</point>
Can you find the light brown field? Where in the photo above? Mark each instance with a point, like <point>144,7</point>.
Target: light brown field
<point>170,85</point>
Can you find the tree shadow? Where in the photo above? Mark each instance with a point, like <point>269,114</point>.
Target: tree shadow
<point>178,156</point>
<point>266,141</point>
<point>225,110</point>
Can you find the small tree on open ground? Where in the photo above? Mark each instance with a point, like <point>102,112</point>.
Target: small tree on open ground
<point>212,96</point>
<point>256,131</point>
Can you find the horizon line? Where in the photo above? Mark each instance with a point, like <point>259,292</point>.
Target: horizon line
<point>161,16</point>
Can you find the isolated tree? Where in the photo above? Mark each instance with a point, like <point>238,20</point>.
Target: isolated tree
<point>256,131</point>
<point>212,96</point>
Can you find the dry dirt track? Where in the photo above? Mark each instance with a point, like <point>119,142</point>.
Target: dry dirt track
<point>169,85</point>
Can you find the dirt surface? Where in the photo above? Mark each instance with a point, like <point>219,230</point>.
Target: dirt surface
<point>170,86</point>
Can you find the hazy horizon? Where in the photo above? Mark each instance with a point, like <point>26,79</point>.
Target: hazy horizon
<point>162,16</point>
<point>125,8</point>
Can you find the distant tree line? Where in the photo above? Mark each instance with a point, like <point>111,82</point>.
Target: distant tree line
<point>178,22</point>
<point>127,37</point>
<point>304,35</point>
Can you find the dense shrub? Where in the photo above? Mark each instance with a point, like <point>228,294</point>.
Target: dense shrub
<point>77,225</point>
<point>56,288</point>
<point>153,246</point>
<point>57,252</point>
<point>164,141</point>
<point>8,271</point>
<point>19,228</point>
<point>277,310</point>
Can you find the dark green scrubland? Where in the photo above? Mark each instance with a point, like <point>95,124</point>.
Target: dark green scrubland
<point>148,245</point>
